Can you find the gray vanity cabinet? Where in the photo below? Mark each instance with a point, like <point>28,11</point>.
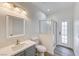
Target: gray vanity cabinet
<point>28,52</point>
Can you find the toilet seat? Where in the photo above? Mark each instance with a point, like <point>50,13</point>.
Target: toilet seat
<point>39,48</point>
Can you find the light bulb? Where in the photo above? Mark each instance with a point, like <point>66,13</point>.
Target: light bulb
<point>24,12</point>
<point>17,9</point>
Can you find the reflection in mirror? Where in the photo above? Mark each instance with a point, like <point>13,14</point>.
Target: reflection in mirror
<point>15,26</point>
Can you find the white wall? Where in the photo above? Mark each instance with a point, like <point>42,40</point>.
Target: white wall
<point>2,27</point>
<point>76,29</point>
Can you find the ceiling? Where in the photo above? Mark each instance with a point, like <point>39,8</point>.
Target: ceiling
<point>51,7</point>
<point>46,7</point>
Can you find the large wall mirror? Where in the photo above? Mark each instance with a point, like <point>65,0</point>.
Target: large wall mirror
<point>15,26</point>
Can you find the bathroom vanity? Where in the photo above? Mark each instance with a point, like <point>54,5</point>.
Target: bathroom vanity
<point>25,48</point>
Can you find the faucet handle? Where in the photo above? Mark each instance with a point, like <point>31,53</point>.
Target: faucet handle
<point>17,42</point>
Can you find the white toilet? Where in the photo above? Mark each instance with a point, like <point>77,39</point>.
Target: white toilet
<point>40,48</point>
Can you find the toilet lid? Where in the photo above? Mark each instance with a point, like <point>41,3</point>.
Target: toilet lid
<point>41,48</point>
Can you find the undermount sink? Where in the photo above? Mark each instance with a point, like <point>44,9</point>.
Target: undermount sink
<point>16,47</point>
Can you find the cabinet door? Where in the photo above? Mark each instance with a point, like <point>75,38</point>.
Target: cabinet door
<point>30,51</point>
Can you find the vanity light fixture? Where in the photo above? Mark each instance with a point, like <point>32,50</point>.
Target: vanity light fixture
<point>24,12</point>
<point>20,10</point>
<point>6,5</point>
<point>13,7</point>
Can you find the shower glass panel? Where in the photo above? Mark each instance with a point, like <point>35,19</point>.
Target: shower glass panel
<point>45,26</point>
<point>47,29</point>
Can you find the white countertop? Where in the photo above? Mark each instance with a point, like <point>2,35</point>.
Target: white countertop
<point>9,51</point>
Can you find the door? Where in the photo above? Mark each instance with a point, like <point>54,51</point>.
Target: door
<point>64,33</point>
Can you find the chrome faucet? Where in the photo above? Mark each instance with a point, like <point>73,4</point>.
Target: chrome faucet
<point>17,42</point>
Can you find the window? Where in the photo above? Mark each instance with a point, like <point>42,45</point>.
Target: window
<point>64,32</point>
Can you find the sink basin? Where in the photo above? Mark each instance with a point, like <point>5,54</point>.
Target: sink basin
<point>16,47</point>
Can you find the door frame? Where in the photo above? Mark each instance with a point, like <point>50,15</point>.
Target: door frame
<point>70,32</point>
